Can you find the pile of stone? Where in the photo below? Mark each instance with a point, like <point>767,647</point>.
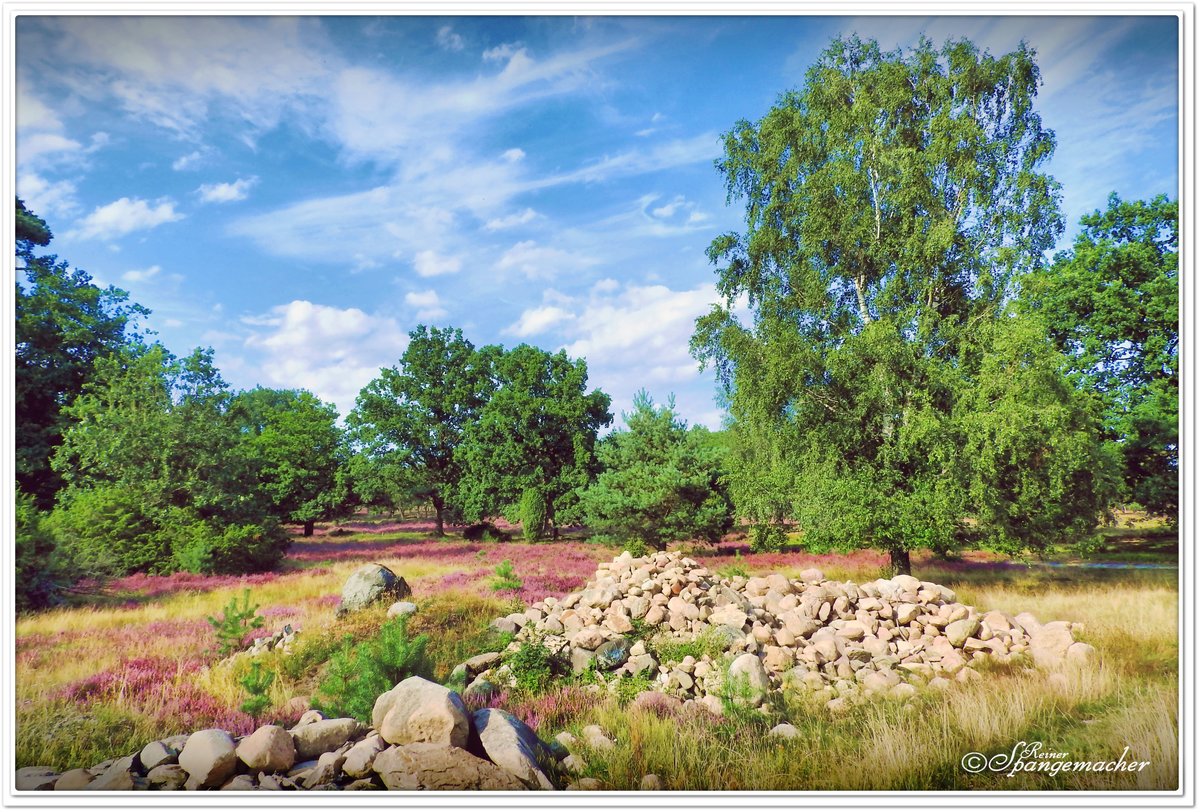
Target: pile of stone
<point>841,640</point>
<point>282,640</point>
<point>421,738</point>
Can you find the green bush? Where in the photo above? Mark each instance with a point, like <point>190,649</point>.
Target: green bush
<point>637,548</point>
<point>506,577</point>
<point>235,549</point>
<point>359,674</point>
<point>235,623</point>
<point>767,538</point>
<point>39,577</point>
<point>257,683</point>
<point>533,667</point>
<point>110,531</point>
<point>533,513</point>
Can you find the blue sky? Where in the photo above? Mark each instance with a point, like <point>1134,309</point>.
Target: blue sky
<point>298,194</point>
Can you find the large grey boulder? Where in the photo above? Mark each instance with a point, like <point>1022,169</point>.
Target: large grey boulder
<point>210,758</point>
<point>36,779</point>
<point>512,744</point>
<point>428,766</point>
<point>314,739</point>
<point>418,710</point>
<point>269,749</point>
<point>748,670</point>
<point>369,584</point>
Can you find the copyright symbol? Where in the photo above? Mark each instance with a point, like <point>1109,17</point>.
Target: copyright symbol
<point>974,762</point>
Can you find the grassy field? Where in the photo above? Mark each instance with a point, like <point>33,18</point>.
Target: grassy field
<point>101,678</point>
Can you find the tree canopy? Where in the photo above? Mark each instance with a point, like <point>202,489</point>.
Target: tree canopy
<point>659,481</point>
<point>297,452</point>
<point>534,441</point>
<point>890,203</point>
<point>64,323</point>
<point>411,418</point>
<point>1112,305</point>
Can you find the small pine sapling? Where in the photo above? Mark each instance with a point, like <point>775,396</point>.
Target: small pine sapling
<point>236,622</point>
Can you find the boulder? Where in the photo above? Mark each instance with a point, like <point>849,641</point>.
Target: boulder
<point>167,777</point>
<point>651,783</point>
<point>429,766</point>
<point>37,779</point>
<point>783,730</point>
<point>324,736</point>
<point>369,584</point>
<point>158,753</point>
<point>510,743</point>
<point>361,757</point>
<point>209,757</point>
<point>269,749</point>
<point>748,670</point>
<point>328,769</point>
<point>613,654</point>
<point>1048,644</point>
<point>77,779</point>
<point>958,631</point>
<point>417,710</point>
<point>114,779</point>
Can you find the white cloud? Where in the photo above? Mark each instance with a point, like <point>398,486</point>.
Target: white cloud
<point>331,351</point>
<point>227,192</point>
<point>47,198</point>
<point>142,275</point>
<point>124,216</point>
<point>513,220</point>
<point>185,162</point>
<point>430,263</point>
<point>513,155</point>
<point>427,304</point>
<point>502,53</point>
<point>447,39</point>
<point>539,261</point>
<point>537,320</point>
<point>606,285</point>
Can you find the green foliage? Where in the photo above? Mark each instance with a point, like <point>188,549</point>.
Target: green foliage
<point>627,688</point>
<point>637,548</point>
<point>409,420</point>
<point>39,570</point>
<point>537,431</point>
<point>669,649</point>
<point>64,323</point>
<point>257,682</point>
<point>358,674</point>
<point>533,667</point>
<point>533,513</point>
<point>235,623</point>
<point>295,447</point>
<point>767,538</point>
<point>1112,306</point>
<point>659,481</point>
<point>506,577</point>
<point>890,205</point>
<point>155,481</point>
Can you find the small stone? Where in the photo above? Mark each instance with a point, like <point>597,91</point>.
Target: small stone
<point>328,769</point>
<point>783,731</point>
<point>586,785</point>
<point>1081,654</point>
<point>958,631</point>
<point>651,783</point>
<point>594,737</point>
<point>812,576</point>
<point>240,783</point>
<point>401,609</point>
<point>613,654</point>
<point>308,717</point>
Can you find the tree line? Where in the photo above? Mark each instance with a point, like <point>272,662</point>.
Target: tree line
<point>917,371</point>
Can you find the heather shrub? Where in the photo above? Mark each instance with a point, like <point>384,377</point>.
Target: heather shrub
<point>358,674</point>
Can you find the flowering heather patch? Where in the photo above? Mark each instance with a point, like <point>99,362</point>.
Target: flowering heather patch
<point>153,586</point>
<point>553,710</point>
<point>160,688</point>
